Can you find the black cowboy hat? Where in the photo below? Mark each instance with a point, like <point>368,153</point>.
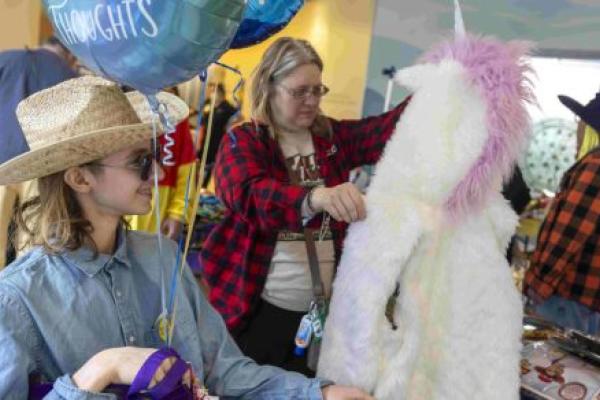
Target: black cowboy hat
<point>590,113</point>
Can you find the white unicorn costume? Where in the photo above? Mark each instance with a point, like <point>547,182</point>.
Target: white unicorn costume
<point>438,226</point>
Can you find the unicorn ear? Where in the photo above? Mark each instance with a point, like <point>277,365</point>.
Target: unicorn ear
<point>459,24</point>
<point>415,76</point>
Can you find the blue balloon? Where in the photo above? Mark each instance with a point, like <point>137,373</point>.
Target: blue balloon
<point>146,44</point>
<point>264,18</point>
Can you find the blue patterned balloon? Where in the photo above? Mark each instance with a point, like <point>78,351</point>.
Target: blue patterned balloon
<point>146,44</point>
<point>264,18</point>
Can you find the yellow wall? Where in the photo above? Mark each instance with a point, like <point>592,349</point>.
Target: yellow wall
<point>19,23</point>
<point>340,30</point>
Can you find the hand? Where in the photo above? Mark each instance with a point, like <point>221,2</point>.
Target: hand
<point>343,202</point>
<point>171,228</point>
<point>337,392</point>
<point>188,379</point>
<point>127,361</point>
<point>119,366</point>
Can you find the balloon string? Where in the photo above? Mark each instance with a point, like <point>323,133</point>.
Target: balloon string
<point>168,153</point>
<point>160,110</point>
<point>238,85</point>
<point>196,202</point>
<point>168,159</point>
<point>203,79</point>
<point>190,178</point>
<point>156,148</point>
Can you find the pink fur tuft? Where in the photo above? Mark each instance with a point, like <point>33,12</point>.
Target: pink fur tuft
<point>499,71</point>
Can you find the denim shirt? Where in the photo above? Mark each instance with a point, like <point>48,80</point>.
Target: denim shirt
<point>57,311</point>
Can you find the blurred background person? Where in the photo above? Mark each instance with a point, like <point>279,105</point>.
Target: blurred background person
<point>562,282</point>
<point>22,73</point>
<point>177,157</point>
<point>224,115</point>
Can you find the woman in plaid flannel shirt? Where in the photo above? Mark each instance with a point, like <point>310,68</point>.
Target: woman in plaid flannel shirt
<point>255,260</point>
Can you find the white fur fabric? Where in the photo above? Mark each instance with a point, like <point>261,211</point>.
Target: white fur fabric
<point>458,314</point>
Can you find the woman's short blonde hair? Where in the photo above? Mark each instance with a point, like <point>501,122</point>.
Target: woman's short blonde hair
<point>281,58</point>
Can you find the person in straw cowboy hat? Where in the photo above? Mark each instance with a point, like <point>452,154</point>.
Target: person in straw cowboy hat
<point>79,309</point>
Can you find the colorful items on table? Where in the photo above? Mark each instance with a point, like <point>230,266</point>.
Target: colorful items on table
<point>210,212</point>
<point>549,373</point>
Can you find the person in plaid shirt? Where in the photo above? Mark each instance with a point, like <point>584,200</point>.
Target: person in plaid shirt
<point>255,260</point>
<point>563,281</point>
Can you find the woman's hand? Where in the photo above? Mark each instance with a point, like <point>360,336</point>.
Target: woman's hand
<point>343,202</point>
<point>117,366</point>
<point>337,392</point>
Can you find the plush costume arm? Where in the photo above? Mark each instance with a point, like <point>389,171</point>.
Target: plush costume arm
<point>503,219</point>
<point>363,140</point>
<point>372,262</point>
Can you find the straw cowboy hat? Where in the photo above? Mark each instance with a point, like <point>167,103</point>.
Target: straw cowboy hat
<point>81,120</point>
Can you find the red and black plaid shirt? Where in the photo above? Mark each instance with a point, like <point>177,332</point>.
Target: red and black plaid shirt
<point>253,183</point>
<point>566,261</point>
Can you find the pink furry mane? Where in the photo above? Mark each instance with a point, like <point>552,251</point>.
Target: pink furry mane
<point>499,71</point>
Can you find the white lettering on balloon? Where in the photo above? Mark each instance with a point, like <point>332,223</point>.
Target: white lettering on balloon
<point>148,17</point>
<point>110,22</point>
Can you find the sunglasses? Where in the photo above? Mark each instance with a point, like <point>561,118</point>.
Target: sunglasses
<point>141,164</point>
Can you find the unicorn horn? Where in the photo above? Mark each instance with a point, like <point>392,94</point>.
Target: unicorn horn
<point>459,24</point>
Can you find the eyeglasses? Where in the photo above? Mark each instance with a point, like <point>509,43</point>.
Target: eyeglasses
<point>303,92</point>
<point>142,164</point>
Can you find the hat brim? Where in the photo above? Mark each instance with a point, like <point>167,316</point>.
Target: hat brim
<point>572,104</point>
<point>581,111</point>
<point>92,145</point>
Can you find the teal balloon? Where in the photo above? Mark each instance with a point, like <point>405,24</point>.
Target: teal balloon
<point>146,44</point>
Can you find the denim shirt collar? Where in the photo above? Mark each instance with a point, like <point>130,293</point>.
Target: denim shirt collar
<point>83,258</point>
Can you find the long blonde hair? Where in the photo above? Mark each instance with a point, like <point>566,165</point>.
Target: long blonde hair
<point>281,58</point>
<point>589,142</point>
<point>53,218</point>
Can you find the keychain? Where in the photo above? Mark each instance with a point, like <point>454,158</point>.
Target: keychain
<point>304,334</point>
<point>317,323</point>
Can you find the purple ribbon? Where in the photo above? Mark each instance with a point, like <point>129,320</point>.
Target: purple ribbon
<point>170,382</point>
<point>170,387</point>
